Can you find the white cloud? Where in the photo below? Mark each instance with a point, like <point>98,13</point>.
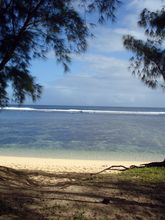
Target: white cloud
<point>149,4</point>
<point>106,81</point>
<point>99,77</point>
<point>130,20</point>
<point>111,39</point>
<point>138,33</point>
<point>101,65</point>
<point>107,40</point>
<point>78,90</point>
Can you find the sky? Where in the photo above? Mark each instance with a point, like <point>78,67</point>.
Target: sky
<point>100,77</point>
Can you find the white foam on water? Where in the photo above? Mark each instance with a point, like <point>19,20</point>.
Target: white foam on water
<point>90,111</point>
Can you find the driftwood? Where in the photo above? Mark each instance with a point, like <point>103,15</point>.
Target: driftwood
<point>155,164</point>
<point>124,168</point>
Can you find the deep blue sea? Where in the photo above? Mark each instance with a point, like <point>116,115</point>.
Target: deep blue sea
<point>83,132</point>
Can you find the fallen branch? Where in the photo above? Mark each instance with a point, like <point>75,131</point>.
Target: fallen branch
<point>124,168</point>
<point>155,164</point>
<point>114,167</point>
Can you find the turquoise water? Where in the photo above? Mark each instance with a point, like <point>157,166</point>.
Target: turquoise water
<point>83,132</point>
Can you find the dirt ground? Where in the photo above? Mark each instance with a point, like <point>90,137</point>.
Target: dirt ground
<point>39,195</point>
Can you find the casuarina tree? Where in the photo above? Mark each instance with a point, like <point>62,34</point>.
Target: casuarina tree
<point>29,29</point>
<point>148,61</point>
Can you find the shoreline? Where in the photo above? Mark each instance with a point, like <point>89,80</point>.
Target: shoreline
<point>62,165</point>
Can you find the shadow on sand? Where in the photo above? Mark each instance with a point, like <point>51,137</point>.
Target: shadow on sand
<point>41,195</point>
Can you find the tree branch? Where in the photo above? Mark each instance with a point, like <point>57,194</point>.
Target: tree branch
<point>9,54</point>
<point>124,168</point>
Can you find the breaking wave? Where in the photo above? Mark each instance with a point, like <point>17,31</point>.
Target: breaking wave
<point>84,111</point>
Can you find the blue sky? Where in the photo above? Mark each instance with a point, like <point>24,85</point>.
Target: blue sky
<point>101,75</point>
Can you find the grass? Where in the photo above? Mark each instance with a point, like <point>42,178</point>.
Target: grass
<point>146,175</point>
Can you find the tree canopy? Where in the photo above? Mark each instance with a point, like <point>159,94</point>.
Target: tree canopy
<point>31,28</point>
<point>148,61</point>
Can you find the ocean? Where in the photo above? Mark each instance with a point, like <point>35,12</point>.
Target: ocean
<point>76,132</point>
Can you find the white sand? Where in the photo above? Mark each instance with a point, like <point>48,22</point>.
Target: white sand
<point>60,165</point>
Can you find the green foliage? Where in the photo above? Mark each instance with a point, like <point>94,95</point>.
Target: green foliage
<point>31,28</point>
<point>146,175</point>
<point>148,62</point>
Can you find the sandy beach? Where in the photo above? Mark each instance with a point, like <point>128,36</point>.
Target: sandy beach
<point>42,188</point>
<point>61,165</point>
